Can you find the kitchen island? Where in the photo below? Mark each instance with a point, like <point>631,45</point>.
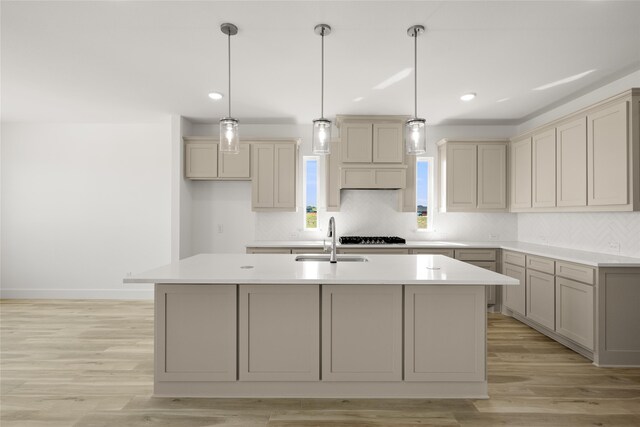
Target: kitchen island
<point>270,326</point>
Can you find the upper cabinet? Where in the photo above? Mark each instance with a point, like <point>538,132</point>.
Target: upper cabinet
<point>521,173</point>
<point>587,161</point>
<point>473,176</point>
<point>203,161</point>
<point>370,140</point>
<point>274,176</point>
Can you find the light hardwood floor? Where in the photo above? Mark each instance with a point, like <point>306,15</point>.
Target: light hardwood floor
<point>89,363</point>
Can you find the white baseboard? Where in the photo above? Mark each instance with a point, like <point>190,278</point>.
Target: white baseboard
<point>132,294</point>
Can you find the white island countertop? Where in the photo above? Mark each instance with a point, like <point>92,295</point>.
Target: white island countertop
<point>284,269</point>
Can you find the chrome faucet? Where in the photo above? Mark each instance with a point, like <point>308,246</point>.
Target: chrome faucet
<point>332,233</point>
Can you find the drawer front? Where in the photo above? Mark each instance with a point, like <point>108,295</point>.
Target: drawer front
<point>578,272</point>
<point>309,250</point>
<point>489,265</point>
<point>445,252</point>
<point>373,251</point>
<point>514,258</point>
<point>544,265</point>
<point>268,250</point>
<point>475,254</point>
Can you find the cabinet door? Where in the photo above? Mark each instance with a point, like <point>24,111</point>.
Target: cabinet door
<point>574,311</point>
<point>279,333</point>
<point>195,333</point>
<point>571,156</point>
<point>355,139</point>
<point>361,333</point>
<point>521,174</point>
<point>236,165</point>
<point>515,296</point>
<point>492,176</point>
<point>607,155</point>
<point>491,290</point>
<point>201,160</point>
<point>285,176</point>
<point>461,177</point>
<point>541,296</point>
<point>333,178</point>
<point>444,333</point>
<point>387,143</point>
<point>262,194</point>
<point>544,169</point>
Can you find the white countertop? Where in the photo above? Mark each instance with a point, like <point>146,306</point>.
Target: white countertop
<point>594,259</point>
<point>284,269</point>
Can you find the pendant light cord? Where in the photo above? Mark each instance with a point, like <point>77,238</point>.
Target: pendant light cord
<point>322,77</point>
<point>229,51</point>
<point>415,72</point>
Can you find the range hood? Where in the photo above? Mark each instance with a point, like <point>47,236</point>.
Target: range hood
<point>369,177</point>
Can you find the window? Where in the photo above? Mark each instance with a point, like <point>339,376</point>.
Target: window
<point>424,174</point>
<point>310,189</point>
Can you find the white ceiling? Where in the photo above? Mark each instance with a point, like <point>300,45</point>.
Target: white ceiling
<point>137,61</point>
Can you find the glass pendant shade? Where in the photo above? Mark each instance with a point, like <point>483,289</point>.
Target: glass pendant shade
<point>229,140</point>
<point>321,136</point>
<point>415,136</point>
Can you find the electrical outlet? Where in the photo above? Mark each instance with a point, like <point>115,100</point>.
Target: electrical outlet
<point>614,246</point>
<point>494,237</point>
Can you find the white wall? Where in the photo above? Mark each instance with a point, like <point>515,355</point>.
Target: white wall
<point>82,206</point>
<point>369,212</point>
<point>609,232</point>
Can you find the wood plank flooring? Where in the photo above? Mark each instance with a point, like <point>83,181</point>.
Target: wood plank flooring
<point>90,363</point>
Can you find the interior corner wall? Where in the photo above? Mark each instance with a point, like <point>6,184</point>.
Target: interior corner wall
<point>83,205</point>
<point>615,233</point>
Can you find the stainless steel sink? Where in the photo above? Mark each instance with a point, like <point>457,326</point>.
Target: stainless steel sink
<point>325,258</point>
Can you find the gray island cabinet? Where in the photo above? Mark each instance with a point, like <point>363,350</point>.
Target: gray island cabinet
<point>270,326</point>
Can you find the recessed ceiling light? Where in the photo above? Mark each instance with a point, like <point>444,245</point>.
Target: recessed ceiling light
<point>468,96</point>
<point>358,99</point>
<point>216,96</point>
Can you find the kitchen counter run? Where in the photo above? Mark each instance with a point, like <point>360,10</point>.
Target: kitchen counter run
<point>594,259</point>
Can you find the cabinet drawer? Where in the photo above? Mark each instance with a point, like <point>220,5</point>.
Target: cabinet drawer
<point>475,254</point>
<point>308,250</point>
<point>545,265</point>
<point>373,251</point>
<point>514,258</point>
<point>489,265</point>
<point>268,250</point>
<point>445,252</point>
<point>577,272</point>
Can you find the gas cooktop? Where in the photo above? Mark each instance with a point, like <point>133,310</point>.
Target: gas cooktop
<point>371,240</point>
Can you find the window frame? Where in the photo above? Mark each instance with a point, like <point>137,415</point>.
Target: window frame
<point>305,160</point>
<point>430,161</point>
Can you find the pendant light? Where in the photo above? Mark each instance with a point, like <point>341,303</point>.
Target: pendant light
<point>415,131</point>
<point>321,127</point>
<point>229,141</point>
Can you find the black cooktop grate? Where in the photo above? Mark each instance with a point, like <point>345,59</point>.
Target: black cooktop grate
<point>371,240</point>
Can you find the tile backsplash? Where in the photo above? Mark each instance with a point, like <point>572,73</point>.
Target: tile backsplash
<point>609,232</point>
<point>375,212</point>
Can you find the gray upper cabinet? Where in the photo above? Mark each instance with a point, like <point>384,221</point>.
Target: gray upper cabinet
<point>203,161</point>
<point>371,139</point>
<point>473,176</point>
<point>586,161</point>
<point>274,176</point>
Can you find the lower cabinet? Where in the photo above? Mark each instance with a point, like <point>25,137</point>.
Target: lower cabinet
<point>279,333</point>
<point>574,311</point>
<point>187,347</point>
<point>444,333</point>
<point>515,296</point>
<point>361,333</point>
<point>541,294</point>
